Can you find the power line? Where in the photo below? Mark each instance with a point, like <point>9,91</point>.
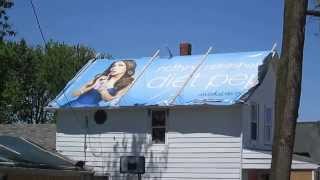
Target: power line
<point>39,27</point>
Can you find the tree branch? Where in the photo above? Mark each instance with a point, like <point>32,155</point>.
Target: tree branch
<point>313,13</point>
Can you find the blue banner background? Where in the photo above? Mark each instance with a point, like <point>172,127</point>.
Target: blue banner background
<point>221,79</point>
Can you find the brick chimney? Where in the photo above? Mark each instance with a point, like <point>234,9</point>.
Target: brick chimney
<point>185,49</point>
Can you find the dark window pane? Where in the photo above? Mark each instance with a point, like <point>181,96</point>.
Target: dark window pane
<point>254,131</point>
<point>158,118</point>
<point>254,113</point>
<point>158,135</point>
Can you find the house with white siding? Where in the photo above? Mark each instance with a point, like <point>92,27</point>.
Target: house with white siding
<point>208,116</point>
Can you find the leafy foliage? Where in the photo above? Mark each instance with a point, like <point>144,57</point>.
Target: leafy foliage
<point>5,27</point>
<point>30,77</point>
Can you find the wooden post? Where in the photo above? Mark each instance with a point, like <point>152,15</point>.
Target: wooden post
<point>288,87</point>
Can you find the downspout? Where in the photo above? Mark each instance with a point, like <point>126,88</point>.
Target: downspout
<point>241,143</point>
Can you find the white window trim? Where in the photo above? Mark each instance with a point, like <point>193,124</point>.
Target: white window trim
<point>265,123</point>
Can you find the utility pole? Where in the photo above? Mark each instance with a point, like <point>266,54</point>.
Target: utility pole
<point>288,88</point>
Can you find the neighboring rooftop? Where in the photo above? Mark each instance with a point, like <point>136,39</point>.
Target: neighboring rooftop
<point>42,134</point>
<point>307,139</point>
<point>20,156</point>
<point>253,158</point>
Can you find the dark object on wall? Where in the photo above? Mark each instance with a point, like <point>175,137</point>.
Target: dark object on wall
<point>80,164</point>
<point>132,164</point>
<point>100,116</point>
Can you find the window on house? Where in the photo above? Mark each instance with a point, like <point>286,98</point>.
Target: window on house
<point>254,121</point>
<point>267,125</point>
<point>158,126</point>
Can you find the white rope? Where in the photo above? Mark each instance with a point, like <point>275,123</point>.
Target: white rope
<point>191,75</point>
<point>273,49</point>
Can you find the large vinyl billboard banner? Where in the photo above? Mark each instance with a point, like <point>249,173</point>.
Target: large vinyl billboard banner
<point>220,79</point>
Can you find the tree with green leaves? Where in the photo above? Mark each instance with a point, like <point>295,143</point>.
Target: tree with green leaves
<point>5,27</point>
<point>30,77</point>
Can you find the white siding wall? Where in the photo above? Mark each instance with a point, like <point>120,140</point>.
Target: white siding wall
<point>200,143</point>
<point>264,95</point>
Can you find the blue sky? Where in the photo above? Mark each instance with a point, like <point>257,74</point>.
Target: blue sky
<point>127,28</point>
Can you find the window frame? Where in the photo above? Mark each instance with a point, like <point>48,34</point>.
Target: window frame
<point>254,120</point>
<point>166,113</point>
<point>268,113</point>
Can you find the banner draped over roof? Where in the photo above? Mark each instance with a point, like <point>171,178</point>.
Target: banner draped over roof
<point>221,80</point>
